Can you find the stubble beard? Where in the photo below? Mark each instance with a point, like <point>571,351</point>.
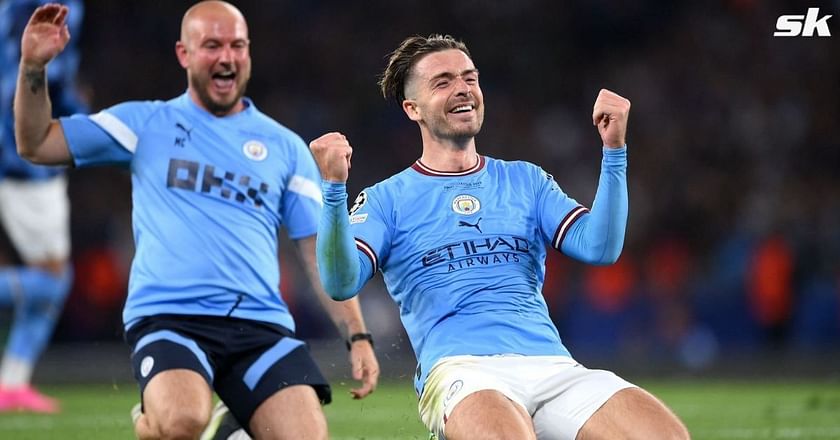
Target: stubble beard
<point>461,134</point>
<point>216,107</point>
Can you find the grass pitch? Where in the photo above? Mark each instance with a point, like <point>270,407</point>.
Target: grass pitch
<point>711,409</point>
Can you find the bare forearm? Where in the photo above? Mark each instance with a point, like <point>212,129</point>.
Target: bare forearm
<point>33,110</point>
<point>347,315</point>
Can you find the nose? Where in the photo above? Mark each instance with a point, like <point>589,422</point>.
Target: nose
<point>462,87</point>
<point>226,55</point>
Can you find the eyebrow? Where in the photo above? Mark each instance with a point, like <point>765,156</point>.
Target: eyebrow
<point>220,39</point>
<point>450,75</point>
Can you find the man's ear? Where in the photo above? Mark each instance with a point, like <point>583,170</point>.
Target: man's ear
<point>181,53</point>
<point>411,110</point>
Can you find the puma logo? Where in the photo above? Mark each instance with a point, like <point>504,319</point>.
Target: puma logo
<point>181,141</point>
<point>476,226</point>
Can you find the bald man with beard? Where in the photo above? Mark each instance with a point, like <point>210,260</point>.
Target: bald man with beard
<point>213,180</point>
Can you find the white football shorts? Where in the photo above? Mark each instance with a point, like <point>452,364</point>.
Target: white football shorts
<point>36,216</point>
<point>559,393</point>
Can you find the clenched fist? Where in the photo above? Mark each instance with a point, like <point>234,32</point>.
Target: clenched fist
<point>332,152</point>
<point>45,36</point>
<point>610,115</point>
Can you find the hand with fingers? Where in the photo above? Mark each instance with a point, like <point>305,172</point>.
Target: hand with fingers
<point>365,369</point>
<point>610,115</point>
<point>332,153</point>
<point>45,36</point>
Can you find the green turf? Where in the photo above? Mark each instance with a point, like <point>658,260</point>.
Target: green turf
<point>711,409</point>
<point>754,410</point>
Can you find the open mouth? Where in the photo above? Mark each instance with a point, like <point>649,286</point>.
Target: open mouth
<point>463,108</point>
<point>224,81</point>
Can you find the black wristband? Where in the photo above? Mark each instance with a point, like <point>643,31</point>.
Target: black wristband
<point>359,337</point>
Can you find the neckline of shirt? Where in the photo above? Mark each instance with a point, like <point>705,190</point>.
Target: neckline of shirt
<point>249,106</point>
<point>427,171</point>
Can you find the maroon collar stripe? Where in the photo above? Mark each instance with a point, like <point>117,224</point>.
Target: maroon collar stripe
<point>423,169</point>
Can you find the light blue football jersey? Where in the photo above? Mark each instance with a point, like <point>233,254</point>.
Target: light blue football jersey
<point>463,255</point>
<point>209,196</point>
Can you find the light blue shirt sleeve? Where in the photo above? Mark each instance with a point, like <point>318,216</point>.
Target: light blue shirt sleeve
<point>302,200</point>
<point>597,237</point>
<point>370,226</point>
<point>556,211</point>
<point>343,269</point>
<point>109,137</point>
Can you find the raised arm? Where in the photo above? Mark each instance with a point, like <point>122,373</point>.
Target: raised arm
<point>40,138</point>
<point>340,270</point>
<point>598,237</point>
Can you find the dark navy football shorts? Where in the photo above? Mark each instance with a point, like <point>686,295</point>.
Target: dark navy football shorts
<point>244,361</point>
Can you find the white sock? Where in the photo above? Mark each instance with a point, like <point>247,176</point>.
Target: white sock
<point>15,372</point>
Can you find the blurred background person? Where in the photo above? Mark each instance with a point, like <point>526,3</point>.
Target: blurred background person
<point>35,212</point>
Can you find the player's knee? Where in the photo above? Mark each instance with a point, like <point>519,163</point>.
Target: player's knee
<point>180,425</point>
<point>62,282</point>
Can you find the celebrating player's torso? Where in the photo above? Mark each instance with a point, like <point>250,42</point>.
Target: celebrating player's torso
<point>463,254</point>
<point>209,197</point>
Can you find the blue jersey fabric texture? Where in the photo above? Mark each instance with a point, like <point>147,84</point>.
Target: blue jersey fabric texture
<point>209,197</point>
<point>61,74</point>
<point>463,254</point>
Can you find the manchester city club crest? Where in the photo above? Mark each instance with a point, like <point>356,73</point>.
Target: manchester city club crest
<point>255,150</point>
<point>146,365</point>
<point>466,204</point>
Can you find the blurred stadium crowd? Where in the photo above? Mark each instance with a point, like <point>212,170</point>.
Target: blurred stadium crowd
<point>733,240</point>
